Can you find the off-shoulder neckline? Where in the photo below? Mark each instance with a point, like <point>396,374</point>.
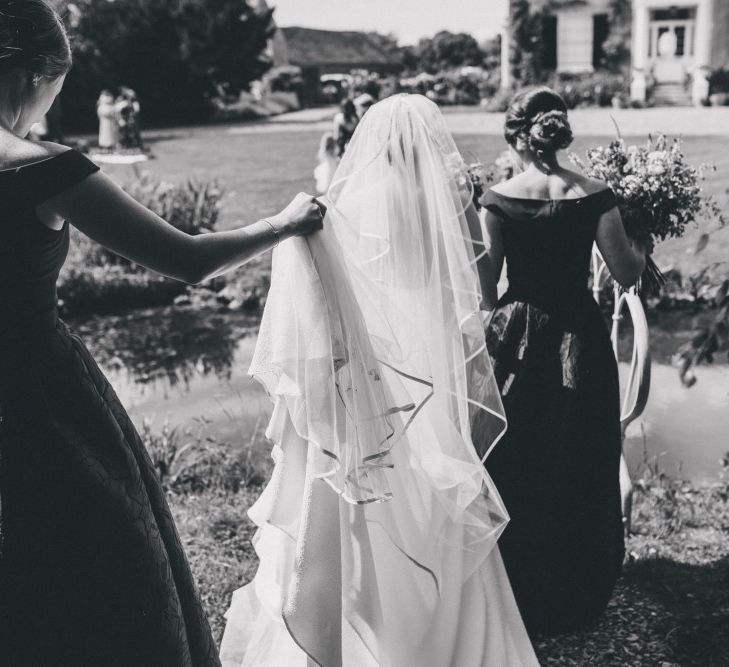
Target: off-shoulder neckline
<point>548,201</point>
<point>37,162</point>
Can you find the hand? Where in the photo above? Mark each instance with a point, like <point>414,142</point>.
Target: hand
<point>304,215</point>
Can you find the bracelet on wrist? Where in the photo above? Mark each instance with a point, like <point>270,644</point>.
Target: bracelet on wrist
<point>276,233</point>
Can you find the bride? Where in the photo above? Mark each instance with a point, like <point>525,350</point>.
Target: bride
<point>378,530</point>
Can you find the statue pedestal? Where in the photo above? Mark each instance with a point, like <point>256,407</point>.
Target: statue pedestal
<point>700,87</point>
<point>638,86</point>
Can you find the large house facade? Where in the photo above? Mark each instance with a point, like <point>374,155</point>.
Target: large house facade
<point>674,44</point>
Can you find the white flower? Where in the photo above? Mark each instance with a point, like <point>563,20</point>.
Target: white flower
<point>657,156</point>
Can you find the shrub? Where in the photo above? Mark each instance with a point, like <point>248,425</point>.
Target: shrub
<point>600,88</point>
<point>247,288</point>
<point>490,85</point>
<point>193,206</point>
<point>597,89</point>
<point>466,90</point>
<point>85,288</point>
<point>500,100</point>
<point>465,85</point>
<point>719,81</point>
<point>97,280</point>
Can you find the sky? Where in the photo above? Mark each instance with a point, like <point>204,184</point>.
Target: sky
<point>408,19</point>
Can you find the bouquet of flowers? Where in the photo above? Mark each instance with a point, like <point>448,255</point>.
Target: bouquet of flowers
<point>504,166</point>
<point>659,192</point>
<point>480,178</point>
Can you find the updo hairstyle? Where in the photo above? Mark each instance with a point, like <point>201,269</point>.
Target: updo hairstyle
<point>538,117</point>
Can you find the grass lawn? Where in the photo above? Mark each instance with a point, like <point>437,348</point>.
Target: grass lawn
<point>262,166</point>
<point>670,609</point>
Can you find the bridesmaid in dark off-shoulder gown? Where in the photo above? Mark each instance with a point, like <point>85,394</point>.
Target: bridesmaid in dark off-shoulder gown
<point>92,571</point>
<point>557,466</point>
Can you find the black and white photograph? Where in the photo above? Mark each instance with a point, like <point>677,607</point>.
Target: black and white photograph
<point>364,333</point>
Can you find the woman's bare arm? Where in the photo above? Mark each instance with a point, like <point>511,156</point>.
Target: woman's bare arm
<point>484,263</point>
<point>625,259</point>
<point>495,251</point>
<point>108,215</point>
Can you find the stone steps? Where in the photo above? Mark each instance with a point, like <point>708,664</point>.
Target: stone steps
<point>671,95</point>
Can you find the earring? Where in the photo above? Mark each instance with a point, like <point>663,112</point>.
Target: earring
<point>36,79</point>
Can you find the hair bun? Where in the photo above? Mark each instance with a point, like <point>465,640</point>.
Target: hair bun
<point>550,131</point>
<point>32,37</point>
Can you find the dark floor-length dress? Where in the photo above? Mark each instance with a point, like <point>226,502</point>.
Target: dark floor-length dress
<point>92,572</point>
<point>557,468</point>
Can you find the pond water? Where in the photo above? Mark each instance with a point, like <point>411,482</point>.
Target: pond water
<point>189,367</point>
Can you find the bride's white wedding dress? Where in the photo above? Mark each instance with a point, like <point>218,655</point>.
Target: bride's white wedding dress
<point>377,532</point>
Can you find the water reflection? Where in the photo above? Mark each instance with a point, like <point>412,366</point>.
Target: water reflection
<point>184,364</point>
<point>669,330</point>
<point>167,346</point>
<point>686,431</point>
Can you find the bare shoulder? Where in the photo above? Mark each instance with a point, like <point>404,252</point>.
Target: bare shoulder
<point>513,187</point>
<point>564,185</point>
<point>17,152</point>
<point>51,148</point>
<point>588,186</point>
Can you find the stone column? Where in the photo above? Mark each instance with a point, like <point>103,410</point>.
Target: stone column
<point>702,51</point>
<point>506,54</point>
<point>639,51</point>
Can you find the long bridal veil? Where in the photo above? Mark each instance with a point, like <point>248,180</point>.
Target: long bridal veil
<point>377,531</point>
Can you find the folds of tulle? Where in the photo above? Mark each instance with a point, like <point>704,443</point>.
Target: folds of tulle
<point>372,349</point>
<point>333,588</point>
<point>356,391</point>
<point>397,209</point>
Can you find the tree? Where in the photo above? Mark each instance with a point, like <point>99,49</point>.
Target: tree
<point>409,58</point>
<point>491,49</point>
<point>178,55</point>
<point>447,50</point>
<point>617,45</point>
<point>224,42</point>
<point>527,28</point>
<point>387,43</point>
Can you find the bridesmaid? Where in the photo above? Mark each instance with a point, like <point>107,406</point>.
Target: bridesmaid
<point>557,466</point>
<point>108,130</point>
<point>92,571</point>
<point>345,123</point>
